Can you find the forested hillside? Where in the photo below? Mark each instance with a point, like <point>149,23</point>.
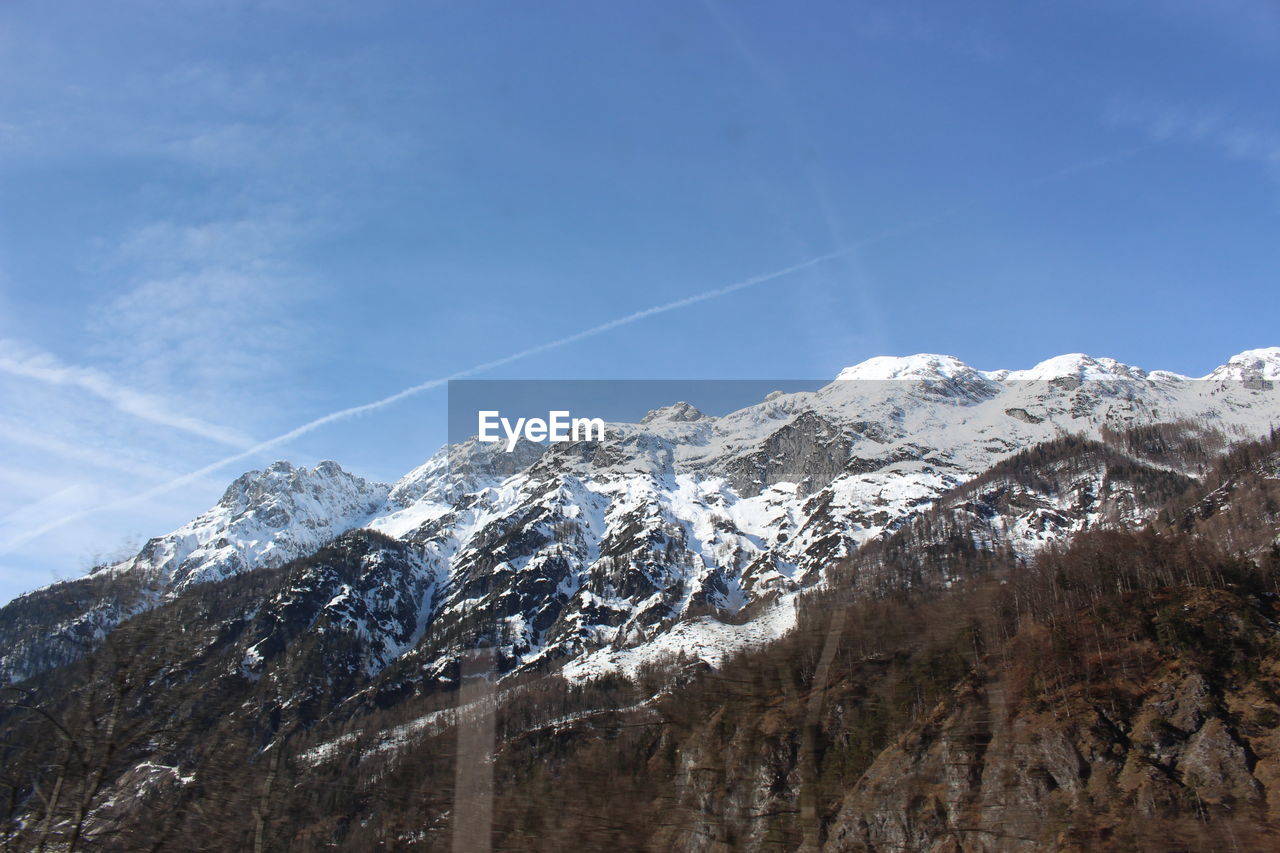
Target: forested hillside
<point>944,691</point>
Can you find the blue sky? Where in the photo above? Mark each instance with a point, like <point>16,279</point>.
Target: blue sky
<point>221,220</point>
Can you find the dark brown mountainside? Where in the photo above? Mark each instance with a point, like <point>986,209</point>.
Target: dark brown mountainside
<point>1119,692</point>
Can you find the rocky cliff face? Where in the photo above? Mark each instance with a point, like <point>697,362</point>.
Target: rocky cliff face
<point>1105,762</point>
<point>265,518</point>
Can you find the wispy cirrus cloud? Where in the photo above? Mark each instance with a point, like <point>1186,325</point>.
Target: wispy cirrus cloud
<point>117,459</point>
<point>43,367</point>
<point>197,319</point>
<point>216,332</point>
<point>209,309</point>
<point>247,242</point>
<point>1215,128</point>
<point>895,22</point>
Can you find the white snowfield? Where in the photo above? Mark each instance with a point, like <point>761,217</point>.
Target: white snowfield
<point>685,514</point>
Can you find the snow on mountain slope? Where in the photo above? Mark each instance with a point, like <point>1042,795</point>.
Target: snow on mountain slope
<point>265,518</point>
<point>1076,366</point>
<point>610,546</point>
<point>1255,365</point>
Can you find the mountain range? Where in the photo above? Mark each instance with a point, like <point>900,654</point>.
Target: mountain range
<point>587,552</point>
<point>309,602</point>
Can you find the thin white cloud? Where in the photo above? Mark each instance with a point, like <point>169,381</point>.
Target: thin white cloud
<point>45,368</point>
<point>210,313</point>
<point>212,331</point>
<point>208,306</point>
<point>115,460</point>
<point>273,120</point>
<point>37,484</point>
<point>236,243</point>
<point>1164,122</point>
<point>60,500</point>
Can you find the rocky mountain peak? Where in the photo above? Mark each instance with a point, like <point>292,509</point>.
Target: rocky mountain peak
<point>680,412</point>
<point>466,466</point>
<point>1079,366</point>
<point>919,366</point>
<point>282,478</point>
<point>1251,365</point>
<point>923,375</point>
<point>264,518</point>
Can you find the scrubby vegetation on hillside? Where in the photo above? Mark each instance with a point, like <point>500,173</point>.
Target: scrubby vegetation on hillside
<point>1118,692</point>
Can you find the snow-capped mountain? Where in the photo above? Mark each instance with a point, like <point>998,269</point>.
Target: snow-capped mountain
<point>265,518</point>
<point>604,551</point>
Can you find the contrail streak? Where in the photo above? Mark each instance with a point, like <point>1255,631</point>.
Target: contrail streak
<point>484,367</point>
<point>591,332</point>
